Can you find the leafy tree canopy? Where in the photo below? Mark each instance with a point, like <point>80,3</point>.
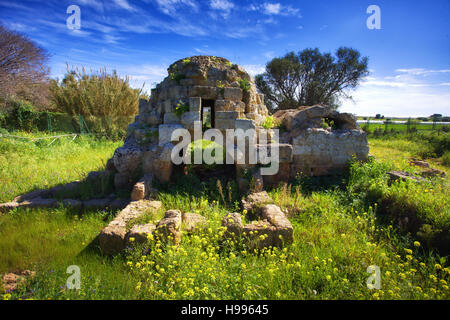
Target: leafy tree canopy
<point>311,77</point>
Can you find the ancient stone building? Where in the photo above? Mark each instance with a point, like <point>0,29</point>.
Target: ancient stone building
<point>221,95</point>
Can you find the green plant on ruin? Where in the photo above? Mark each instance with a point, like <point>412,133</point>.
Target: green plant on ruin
<point>177,76</point>
<point>221,86</point>
<point>186,61</point>
<point>229,64</point>
<point>181,108</point>
<point>244,84</point>
<point>269,123</point>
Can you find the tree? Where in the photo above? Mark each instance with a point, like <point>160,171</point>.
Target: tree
<point>311,77</point>
<point>23,73</point>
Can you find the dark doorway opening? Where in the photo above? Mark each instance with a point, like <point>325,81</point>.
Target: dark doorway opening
<point>208,114</point>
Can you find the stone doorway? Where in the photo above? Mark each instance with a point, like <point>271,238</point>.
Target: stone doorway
<point>208,114</point>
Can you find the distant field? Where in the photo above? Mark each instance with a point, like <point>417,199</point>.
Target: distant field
<point>402,127</point>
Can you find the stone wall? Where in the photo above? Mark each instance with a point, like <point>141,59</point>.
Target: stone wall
<point>307,145</point>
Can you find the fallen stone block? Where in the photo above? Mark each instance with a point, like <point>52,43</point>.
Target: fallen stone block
<point>419,163</point>
<point>233,224</point>
<point>11,281</point>
<point>432,173</point>
<point>254,201</point>
<point>259,234</point>
<point>284,231</point>
<point>72,203</point>
<point>112,237</point>
<point>401,175</point>
<point>170,226</point>
<point>192,221</point>
<point>139,233</point>
<point>96,204</point>
<point>5,207</point>
<point>39,203</point>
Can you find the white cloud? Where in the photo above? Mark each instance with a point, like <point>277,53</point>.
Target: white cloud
<point>404,94</point>
<point>272,8</point>
<point>92,3</point>
<point>170,6</point>
<point>279,9</point>
<point>254,69</point>
<point>269,8</point>
<point>124,5</point>
<point>421,71</point>
<point>224,5</point>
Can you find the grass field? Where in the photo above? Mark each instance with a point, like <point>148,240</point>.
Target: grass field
<point>342,225</point>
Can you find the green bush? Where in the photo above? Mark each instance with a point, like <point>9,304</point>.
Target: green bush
<point>244,84</point>
<point>105,97</point>
<point>22,116</point>
<point>269,123</point>
<point>446,159</point>
<point>181,108</point>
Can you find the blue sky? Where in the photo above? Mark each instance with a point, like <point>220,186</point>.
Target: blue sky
<point>408,58</point>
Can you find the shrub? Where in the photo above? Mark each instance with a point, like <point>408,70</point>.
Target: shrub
<point>244,84</point>
<point>181,108</point>
<point>269,123</point>
<point>446,159</point>
<point>22,116</point>
<point>99,94</point>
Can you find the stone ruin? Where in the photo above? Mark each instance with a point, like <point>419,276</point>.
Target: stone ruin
<point>314,140</point>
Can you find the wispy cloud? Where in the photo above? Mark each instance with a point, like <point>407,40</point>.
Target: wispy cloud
<point>421,71</point>
<point>124,5</point>
<point>276,8</point>
<point>98,5</point>
<point>224,6</point>
<point>409,92</point>
<point>170,7</point>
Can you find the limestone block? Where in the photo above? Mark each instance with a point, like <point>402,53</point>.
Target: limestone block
<point>205,92</point>
<point>127,159</point>
<point>168,106</point>
<point>165,132</point>
<point>226,115</point>
<point>170,226</point>
<point>233,224</point>
<point>171,118</point>
<point>177,92</point>
<point>244,124</point>
<point>254,201</point>
<point>192,221</point>
<point>284,230</point>
<point>224,124</point>
<point>144,106</point>
<point>259,234</point>
<point>189,118</point>
<point>142,188</point>
<point>112,237</point>
<point>231,93</point>
<point>195,104</point>
<point>139,233</point>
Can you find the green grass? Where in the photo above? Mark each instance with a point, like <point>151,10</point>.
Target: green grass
<point>26,166</point>
<point>341,226</point>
